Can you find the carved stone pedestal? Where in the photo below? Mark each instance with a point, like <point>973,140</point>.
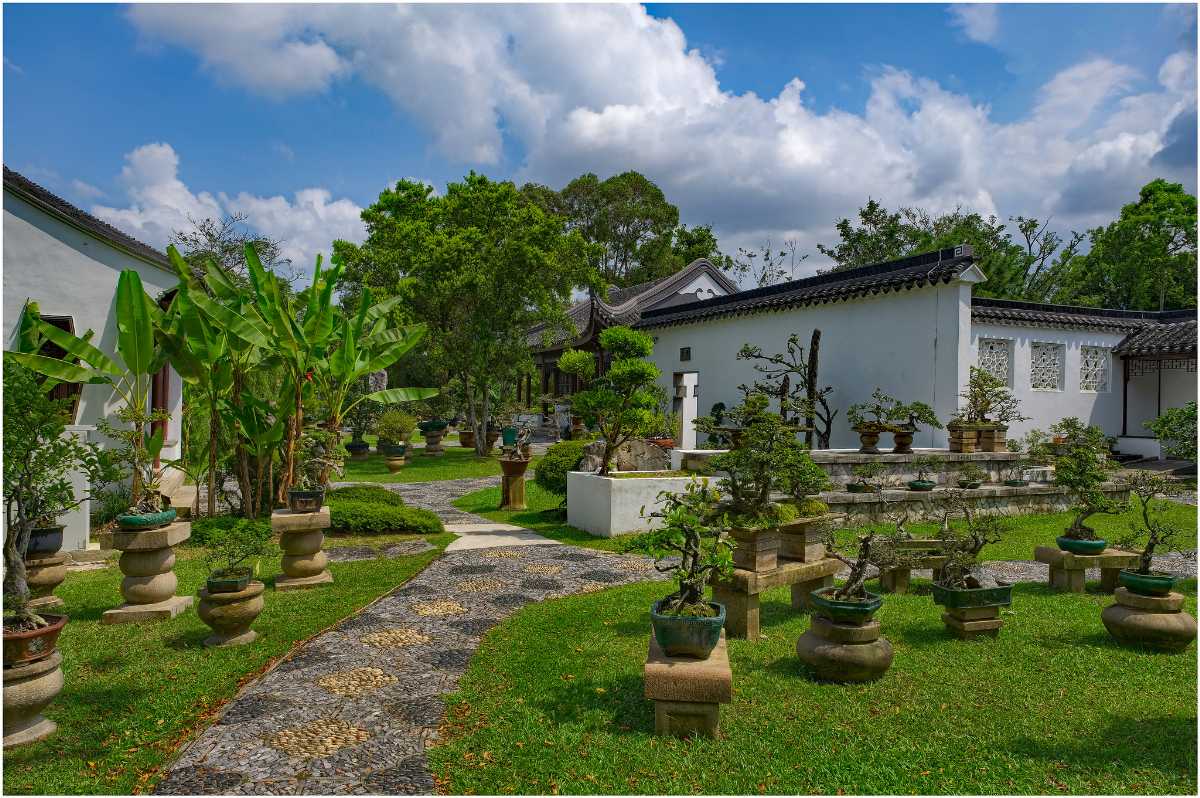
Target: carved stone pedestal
<point>433,443</point>
<point>970,622</point>
<point>148,562</point>
<point>230,614</point>
<point>301,536</point>
<point>1155,621</point>
<point>28,689</point>
<point>739,593</point>
<point>44,574</point>
<point>688,692</point>
<point>843,652</point>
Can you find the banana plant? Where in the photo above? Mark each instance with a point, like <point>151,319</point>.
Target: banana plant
<point>140,353</point>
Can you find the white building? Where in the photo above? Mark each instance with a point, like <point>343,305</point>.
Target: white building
<point>913,328</point>
<point>68,261</point>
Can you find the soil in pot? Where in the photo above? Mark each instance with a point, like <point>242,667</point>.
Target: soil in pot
<point>139,521</point>
<point>23,645</point>
<point>1155,583</point>
<point>44,541</point>
<point>1077,546</point>
<point>305,501</point>
<point>922,485</point>
<point>687,635</point>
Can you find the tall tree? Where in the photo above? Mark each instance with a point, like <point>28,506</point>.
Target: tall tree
<point>767,265</point>
<point>224,240</point>
<point>479,265</point>
<point>1144,260</point>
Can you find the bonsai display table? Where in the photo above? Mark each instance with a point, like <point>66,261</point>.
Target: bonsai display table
<point>688,692</point>
<point>1067,570</point>
<point>739,593</point>
<point>301,536</point>
<point>896,580</point>
<point>148,562</point>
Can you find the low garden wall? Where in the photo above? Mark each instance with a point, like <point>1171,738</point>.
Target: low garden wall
<point>988,500</point>
<point>611,506</point>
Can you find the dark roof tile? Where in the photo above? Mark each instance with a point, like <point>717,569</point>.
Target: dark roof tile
<point>1175,338</point>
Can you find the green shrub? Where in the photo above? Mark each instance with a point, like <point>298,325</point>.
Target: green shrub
<point>372,494</point>
<point>369,518</point>
<point>809,507</point>
<point>550,473</point>
<point>1176,428</point>
<point>212,531</point>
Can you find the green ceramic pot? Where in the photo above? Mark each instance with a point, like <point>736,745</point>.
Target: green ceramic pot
<point>508,436</point>
<point>966,598</point>
<point>1081,546</point>
<point>842,611</point>
<point>358,447</point>
<point>923,485</point>
<point>229,583</point>
<point>138,521</point>
<point>683,636</point>
<point>967,485</point>
<point>1016,483</point>
<point>1155,583</point>
<point>392,449</point>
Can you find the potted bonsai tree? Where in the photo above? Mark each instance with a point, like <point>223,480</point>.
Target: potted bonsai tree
<point>971,476</point>
<point>868,478</point>
<point>872,418</point>
<point>1082,468</point>
<point>903,430</point>
<point>1151,532</point>
<point>684,622</point>
<point>394,428</point>
<point>139,453</point>
<point>987,409</point>
<point>972,607</point>
<point>318,457</point>
<point>926,466</point>
<point>231,599</point>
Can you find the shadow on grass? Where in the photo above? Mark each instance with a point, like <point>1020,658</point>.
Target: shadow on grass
<point>1162,743</point>
<point>620,701</point>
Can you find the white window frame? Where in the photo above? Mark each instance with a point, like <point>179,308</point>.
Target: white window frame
<point>1012,357</point>
<point>1062,365</point>
<point>1106,352</point>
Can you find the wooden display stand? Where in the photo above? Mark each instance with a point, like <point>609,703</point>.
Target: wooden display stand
<point>1068,571</point>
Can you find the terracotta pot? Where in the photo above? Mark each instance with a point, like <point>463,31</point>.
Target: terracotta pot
<point>394,464</point>
<point>513,468</point>
<point>903,441</point>
<point>229,615</point>
<point>32,644</point>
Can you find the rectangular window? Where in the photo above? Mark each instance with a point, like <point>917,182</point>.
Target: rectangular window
<point>1046,366</point>
<point>685,353</point>
<point>995,357</point>
<point>1094,369</point>
<point>69,391</point>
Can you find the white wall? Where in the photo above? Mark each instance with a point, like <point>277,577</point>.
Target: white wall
<point>907,343</point>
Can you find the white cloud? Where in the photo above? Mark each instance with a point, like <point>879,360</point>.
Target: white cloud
<point>160,203</point>
<point>86,190</point>
<point>606,88</point>
<point>979,21</point>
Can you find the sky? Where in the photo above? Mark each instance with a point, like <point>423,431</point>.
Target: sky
<point>769,122</point>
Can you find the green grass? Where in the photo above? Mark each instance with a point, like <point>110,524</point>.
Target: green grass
<point>134,693</point>
<point>456,463</point>
<point>542,516</point>
<point>552,703</point>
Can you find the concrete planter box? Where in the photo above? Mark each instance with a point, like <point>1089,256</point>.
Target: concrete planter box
<point>608,506</point>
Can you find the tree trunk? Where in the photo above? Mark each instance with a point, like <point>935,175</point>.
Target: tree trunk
<point>214,430</point>
<point>293,435</point>
<point>810,386</point>
<point>481,447</point>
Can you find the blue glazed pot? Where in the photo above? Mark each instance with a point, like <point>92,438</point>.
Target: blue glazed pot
<point>838,611</point>
<point>44,541</point>
<point>681,636</point>
<point>1151,584</point>
<point>1081,546</point>
<point>135,521</point>
<point>965,598</point>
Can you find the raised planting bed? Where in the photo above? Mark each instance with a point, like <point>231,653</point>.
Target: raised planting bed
<point>610,506</point>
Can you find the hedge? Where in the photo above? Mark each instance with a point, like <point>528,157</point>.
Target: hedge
<point>550,473</point>
<point>371,510</point>
<point>205,530</point>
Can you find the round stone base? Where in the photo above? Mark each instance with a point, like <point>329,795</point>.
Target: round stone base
<point>219,641</point>
<point>844,662</point>
<point>40,730</point>
<point>1168,631</point>
<point>29,689</point>
<point>230,614</point>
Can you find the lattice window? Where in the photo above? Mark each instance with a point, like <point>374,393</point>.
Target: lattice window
<point>1093,369</point>
<point>996,359</point>
<point>1046,366</point>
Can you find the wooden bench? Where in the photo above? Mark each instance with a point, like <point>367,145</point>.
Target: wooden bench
<point>1068,571</point>
<point>897,580</point>
<point>688,692</point>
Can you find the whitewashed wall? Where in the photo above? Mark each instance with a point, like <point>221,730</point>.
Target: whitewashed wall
<point>912,344</point>
<point>70,273</point>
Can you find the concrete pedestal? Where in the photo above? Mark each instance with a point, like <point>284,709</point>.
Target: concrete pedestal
<point>29,689</point>
<point>44,574</point>
<point>148,562</point>
<point>688,692</point>
<point>842,652</point>
<point>301,536</point>
<point>1154,621</point>
<point>1068,571</point>
<point>230,614</point>
<point>925,554</point>
<point>512,492</point>
<point>739,593</point>
<point>433,443</point>
<point>970,622</point>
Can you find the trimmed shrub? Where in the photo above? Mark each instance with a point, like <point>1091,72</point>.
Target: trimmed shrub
<point>809,507</point>
<point>373,510</point>
<point>550,473</point>
<point>372,494</point>
<point>211,531</point>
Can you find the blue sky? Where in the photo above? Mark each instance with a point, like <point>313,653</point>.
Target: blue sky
<point>767,121</point>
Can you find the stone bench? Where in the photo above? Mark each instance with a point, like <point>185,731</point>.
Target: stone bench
<point>1068,571</point>
<point>739,593</point>
<point>688,692</point>
<point>897,580</point>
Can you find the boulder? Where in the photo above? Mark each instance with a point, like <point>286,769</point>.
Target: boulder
<point>633,455</point>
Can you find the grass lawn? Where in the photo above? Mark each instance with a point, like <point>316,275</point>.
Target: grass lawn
<point>552,703</point>
<point>134,693</point>
<point>542,516</point>
<point>456,463</point>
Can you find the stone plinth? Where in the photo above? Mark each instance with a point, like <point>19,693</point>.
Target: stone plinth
<point>44,574</point>
<point>688,692</point>
<point>989,499</point>
<point>148,562</point>
<point>1154,621</point>
<point>970,622</point>
<point>29,689</point>
<point>843,652</point>
<point>924,554</point>
<point>1067,570</point>
<point>433,443</point>
<point>301,536</point>
<point>512,492</point>
<point>756,549</point>
<point>740,591</point>
<point>230,614</point>
<point>798,539</point>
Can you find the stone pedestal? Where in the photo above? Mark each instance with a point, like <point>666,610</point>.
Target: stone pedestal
<point>148,562</point>
<point>970,622</point>
<point>512,492</point>
<point>301,536</point>
<point>29,689</point>
<point>925,554</point>
<point>1154,621</point>
<point>798,540</point>
<point>993,439</point>
<point>230,614</point>
<point>756,549</point>
<point>1068,571</point>
<point>688,692</point>
<point>739,593</point>
<point>962,439</point>
<point>44,574</point>
<point>843,652</point>
<point>433,443</point>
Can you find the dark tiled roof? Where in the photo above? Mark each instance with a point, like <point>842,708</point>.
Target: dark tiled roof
<point>1034,314</point>
<point>1175,338</point>
<point>57,206</point>
<point>929,268</point>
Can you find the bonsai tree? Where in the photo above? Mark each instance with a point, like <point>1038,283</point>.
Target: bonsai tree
<point>870,548</point>
<point>1082,467</point>
<point>766,459</point>
<point>694,531</point>
<point>926,466</point>
<point>38,461</point>
<point>963,545</point>
<point>320,455</point>
<point>876,414</point>
<point>970,473</point>
<point>619,403</point>
<point>1151,531</point>
<point>395,426</point>
<point>791,377</point>
<point>137,452</point>
<point>1176,429</point>
<point>233,550</point>
<point>915,413</point>
<point>988,400</point>
<point>870,475</point>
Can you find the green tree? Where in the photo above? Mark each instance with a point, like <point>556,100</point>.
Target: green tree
<point>1145,260</point>
<point>693,243</point>
<point>479,265</point>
